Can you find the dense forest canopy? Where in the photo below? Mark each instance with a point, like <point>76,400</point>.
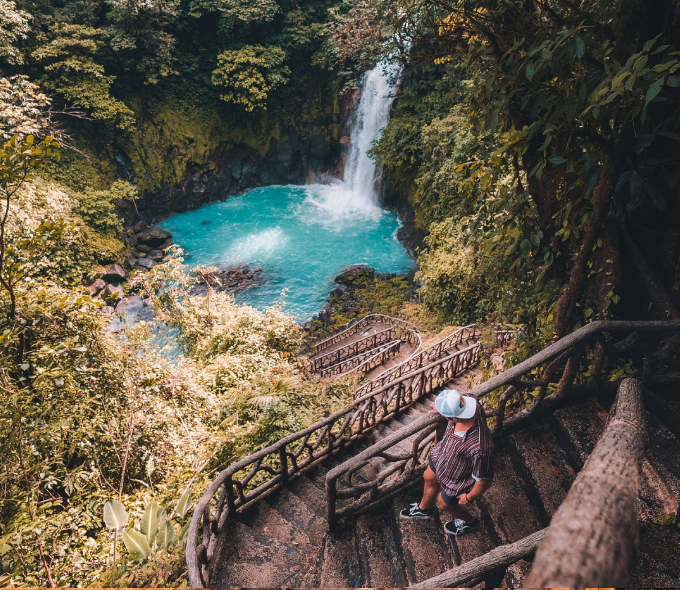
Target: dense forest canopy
<point>536,144</point>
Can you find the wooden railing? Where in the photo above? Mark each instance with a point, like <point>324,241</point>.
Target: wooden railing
<point>594,535</point>
<point>352,349</point>
<point>261,473</point>
<point>363,362</point>
<point>466,334</point>
<point>539,384</point>
<point>355,326</point>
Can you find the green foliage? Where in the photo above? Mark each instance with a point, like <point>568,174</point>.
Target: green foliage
<point>14,26</point>
<point>249,74</point>
<point>68,57</point>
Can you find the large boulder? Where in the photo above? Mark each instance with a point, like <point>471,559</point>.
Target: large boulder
<point>96,287</point>
<point>114,274</point>
<point>355,275</point>
<point>153,237</point>
<point>146,263</point>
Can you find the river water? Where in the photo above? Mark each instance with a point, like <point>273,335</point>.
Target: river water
<point>303,236</point>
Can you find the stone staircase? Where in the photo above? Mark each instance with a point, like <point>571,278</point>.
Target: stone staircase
<point>284,538</point>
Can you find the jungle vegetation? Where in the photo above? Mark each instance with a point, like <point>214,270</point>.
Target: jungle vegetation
<point>537,142</point>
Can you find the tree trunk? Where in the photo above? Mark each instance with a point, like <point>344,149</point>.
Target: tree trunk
<point>602,194</point>
<point>593,537</point>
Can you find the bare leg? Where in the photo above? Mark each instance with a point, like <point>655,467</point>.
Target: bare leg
<point>456,511</point>
<point>431,489</point>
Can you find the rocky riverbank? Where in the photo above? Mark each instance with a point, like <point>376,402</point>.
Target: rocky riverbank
<point>359,291</point>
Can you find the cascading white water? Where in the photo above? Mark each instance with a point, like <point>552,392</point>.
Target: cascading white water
<point>339,204</point>
<point>370,118</point>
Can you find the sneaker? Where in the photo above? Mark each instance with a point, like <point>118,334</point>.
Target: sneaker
<point>415,511</point>
<point>458,527</point>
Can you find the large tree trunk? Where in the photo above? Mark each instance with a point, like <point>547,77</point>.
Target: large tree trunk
<point>593,537</point>
<point>602,194</point>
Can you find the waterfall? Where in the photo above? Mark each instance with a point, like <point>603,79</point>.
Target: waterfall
<point>339,205</point>
<point>370,118</point>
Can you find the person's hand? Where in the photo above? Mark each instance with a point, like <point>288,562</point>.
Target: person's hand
<point>434,409</point>
<point>463,499</point>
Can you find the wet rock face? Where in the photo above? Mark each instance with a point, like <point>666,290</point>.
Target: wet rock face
<point>290,159</point>
<point>230,279</point>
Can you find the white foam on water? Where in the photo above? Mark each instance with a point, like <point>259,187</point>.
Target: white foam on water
<point>336,207</point>
<point>258,246</point>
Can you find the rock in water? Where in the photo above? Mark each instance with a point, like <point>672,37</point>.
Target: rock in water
<point>153,237</point>
<point>114,274</point>
<point>146,263</point>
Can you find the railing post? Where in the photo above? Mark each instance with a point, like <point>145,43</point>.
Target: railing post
<point>331,499</point>
<point>283,458</point>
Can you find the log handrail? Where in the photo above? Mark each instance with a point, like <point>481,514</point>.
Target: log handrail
<point>476,570</point>
<point>594,535</point>
<point>566,353</point>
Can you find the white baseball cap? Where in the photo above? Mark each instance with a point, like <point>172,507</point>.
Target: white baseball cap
<point>451,404</point>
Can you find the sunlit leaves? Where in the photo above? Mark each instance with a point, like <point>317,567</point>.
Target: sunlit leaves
<point>247,75</point>
<point>115,515</point>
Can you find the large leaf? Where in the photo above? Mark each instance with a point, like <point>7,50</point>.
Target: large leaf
<point>136,544</point>
<point>653,90</point>
<point>184,504</point>
<point>183,533</point>
<point>150,521</point>
<point>115,516</point>
<point>165,534</point>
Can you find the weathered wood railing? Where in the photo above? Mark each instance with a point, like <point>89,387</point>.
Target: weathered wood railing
<point>594,535</point>
<point>357,325</point>
<point>256,476</point>
<point>367,343</point>
<point>466,334</point>
<point>363,362</point>
<point>539,384</point>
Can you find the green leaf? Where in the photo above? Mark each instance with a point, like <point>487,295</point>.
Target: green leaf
<point>150,521</point>
<point>580,48</point>
<point>115,516</point>
<point>184,532</point>
<point>557,160</point>
<point>184,504</point>
<point>653,90</point>
<point>530,71</point>
<point>673,81</point>
<point>136,544</point>
<point>525,247</point>
<point>650,43</point>
<point>165,535</point>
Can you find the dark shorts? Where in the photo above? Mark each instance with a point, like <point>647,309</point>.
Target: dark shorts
<point>448,500</point>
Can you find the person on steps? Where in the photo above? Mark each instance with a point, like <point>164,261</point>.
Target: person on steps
<point>460,467</point>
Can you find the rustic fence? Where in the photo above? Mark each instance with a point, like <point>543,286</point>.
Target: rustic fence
<point>364,362</point>
<point>355,326</point>
<point>355,348</point>
<point>574,366</point>
<point>258,475</point>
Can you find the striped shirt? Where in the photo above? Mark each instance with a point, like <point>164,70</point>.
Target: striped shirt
<point>459,461</point>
